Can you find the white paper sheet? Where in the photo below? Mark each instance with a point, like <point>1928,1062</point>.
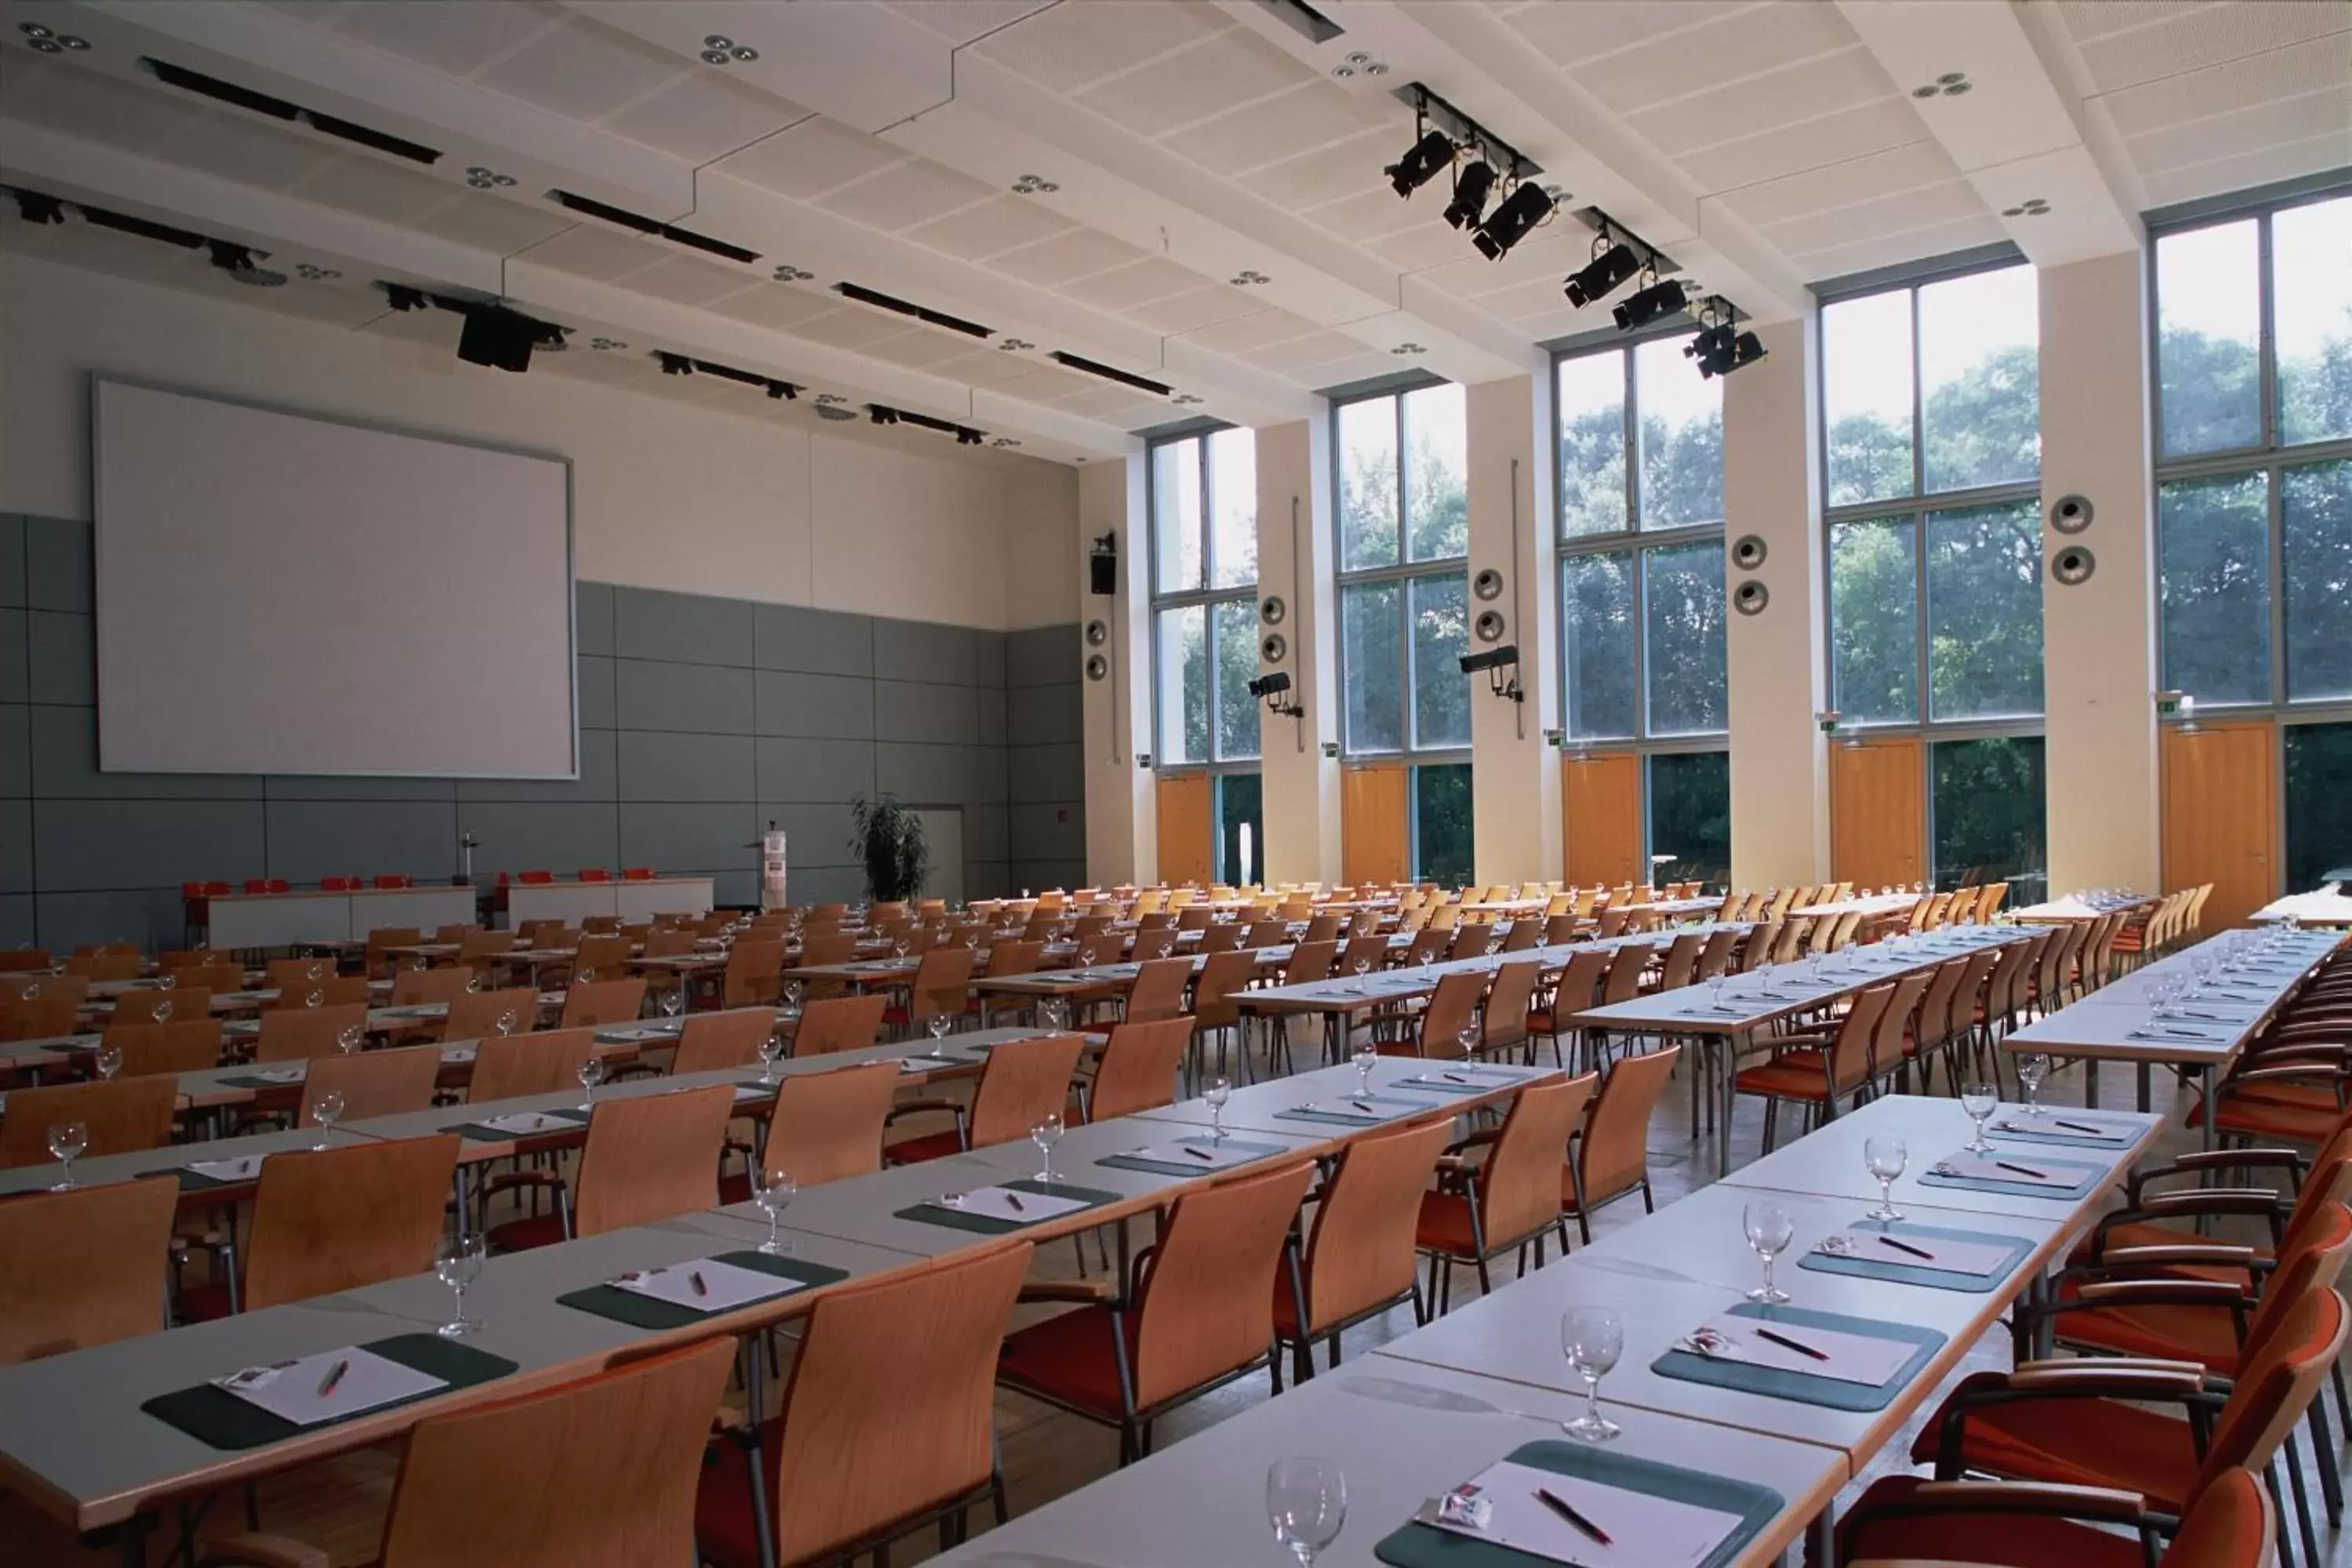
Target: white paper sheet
<point>1870,1245</point>
<point>524,1121</point>
<point>1204,1155</point>
<point>282,1075</point>
<point>2076,1127</point>
<point>725,1287</point>
<point>242,1169</point>
<point>998,1203</point>
<point>1988,1168</point>
<point>1644,1531</point>
<point>1852,1358</point>
<point>290,1391</point>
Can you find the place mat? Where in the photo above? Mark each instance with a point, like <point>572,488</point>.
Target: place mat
<point>1806,1388</point>
<point>1223,1156</point>
<point>1461,1081</point>
<point>1746,1507</point>
<point>1982,1174</point>
<point>915,1065</point>
<point>989,1225</point>
<point>2051,1127</point>
<point>640,1034</point>
<point>1951,1271</point>
<point>1341,1111</point>
<point>641,1311</point>
<point>273,1078</point>
<point>484,1132</point>
<point>205,1174</point>
<point>220,1419</point>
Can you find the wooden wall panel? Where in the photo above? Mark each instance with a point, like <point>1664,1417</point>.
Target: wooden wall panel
<point>1878,814</point>
<point>1600,820</point>
<point>2221,817</point>
<point>1375,819</point>
<point>1184,838</point>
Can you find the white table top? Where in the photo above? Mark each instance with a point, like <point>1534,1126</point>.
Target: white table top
<point>1874,904</point>
<point>2329,905</point>
<point>2079,907</point>
<point>1381,987</point>
<point>1747,1001</point>
<point>2118,1023</point>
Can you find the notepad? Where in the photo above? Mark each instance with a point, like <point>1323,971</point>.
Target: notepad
<point>520,1122</point>
<point>1644,1529</point>
<point>1870,1245</point>
<point>1002,1203</point>
<point>2070,1127</point>
<point>1205,1157</point>
<point>724,1286</point>
<point>281,1075</point>
<point>1851,1358</point>
<point>1992,1168</point>
<point>242,1169</point>
<point>291,1390</point>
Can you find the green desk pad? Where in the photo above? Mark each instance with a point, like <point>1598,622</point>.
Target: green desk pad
<point>989,1225</point>
<point>2091,1174</point>
<point>220,1419</point>
<point>255,1081</point>
<point>1169,1168</point>
<point>1395,1108</point>
<point>1689,1366</point>
<point>1893,1268</point>
<point>648,1312</point>
<point>474,1132</point>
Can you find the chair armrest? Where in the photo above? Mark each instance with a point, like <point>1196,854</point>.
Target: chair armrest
<point>2210,1254</point>
<point>261,1552</point>
<point>909,1107</point>
<point>1482,1136</point>
<point>1084,1293</point>
<point>2123,1377</point>
<point>2214,1159</point>
<point>2106,1504</point>
<point>2158,1292</point>
<point>2253,1202</point>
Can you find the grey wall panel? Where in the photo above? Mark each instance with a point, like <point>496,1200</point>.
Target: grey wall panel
<point>988,716</point>
<point>987,659</point>
<point>1041,655</point>
<point>925,775</point>
<point>15,680</point>
<point>1047,833</point>
<point>1046,773</point>
<point>15,750</point>
<point>815,642</point>
<point>1035,715</point>
<point>686,628</point>
<point>599,778</point>
<point>923,650</point>
<point>57,565</point>
<point>558,838</point>
<point>659,767</point>
<point>803,770</point>
<point>825,885</point>
<point>740,886</point>
<point>830,706</point>
<point>989,776</point>
<point>815,834</point>
<point>17,926</point>
<point>702,699</point>
<point>924,710</point>
<point>987,880</point>
<point>16,846</point>
<point>1037,875</point>
<point>153,917</point>
<point>64,766</point>
<point>592,618</point>
<point>313,839</point>
<point>595,678</point>
<point>83,846</point>
<point>309,787</point>
<point>685,838</point>
<point>62,660</point>
<point>12,560</point>
<point>987,833</point>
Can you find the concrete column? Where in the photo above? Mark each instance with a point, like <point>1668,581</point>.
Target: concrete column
<point>1515,784</point>
<point>1295,562</point>
<point>1778,658</point>
<point>2098,638</point>
<point>1122,844</point>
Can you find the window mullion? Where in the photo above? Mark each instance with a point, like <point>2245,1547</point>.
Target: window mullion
<point>1632,429</point>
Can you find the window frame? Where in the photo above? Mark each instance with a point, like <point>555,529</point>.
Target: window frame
<point>1207,598</point>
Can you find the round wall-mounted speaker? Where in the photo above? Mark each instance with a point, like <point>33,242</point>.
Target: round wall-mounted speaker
<point>1098,667</point>
<point>1274,648</point>
<point>1272,609</point>
<point>1487,584</point>
<point>2071,514</point>
<point>1097,634</point>
<point>1489,626</point>
<point>1750,597</point>
<point>1749,551</point>
<point>2074,564</point>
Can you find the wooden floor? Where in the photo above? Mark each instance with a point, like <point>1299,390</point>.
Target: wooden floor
<point>339,1506</point>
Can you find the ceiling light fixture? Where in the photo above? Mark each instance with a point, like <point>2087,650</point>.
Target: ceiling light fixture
<point>1951,84</point>
<point>1034,186</point>
<point>1522,212</point>
<point>793,275</point>
<point>1472,186</point>
<point>674,364</point>
<point>310,272</point>
<point>35,207</point>
<point>239,262</point>
<point>784,390</point>
<point>483,179</point>
<point>881,415</point>
<point>1004,441</point>
<point>1614,261</point>
<point>1408,350</point>
<point>1249,279</point>
<point>401,297</point>
<point>1422,161</point>
<point>49,42</point>
<point>2032,207</point>
<point>967,437</point>
<point>606,346</point>
<point>1646,305</point>
<point>1721,347</point>
<point>719,49</point>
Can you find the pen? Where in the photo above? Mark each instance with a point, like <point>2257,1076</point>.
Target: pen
<point>1454,1077</point>
<point>1559,1506</point>
<point>1905,1247</point>
<point>695,1279</point>
<point>2023,1169</point>
<point>334,1376</point>
<point>1013,1199</point>
<point>1200,1153</point>
<point>1367,1109</point>
<point>1787,1344</point>
<point>2079,1127</point>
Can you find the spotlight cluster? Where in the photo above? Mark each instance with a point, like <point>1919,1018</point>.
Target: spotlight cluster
<point>1718,349</point>
<point>1482,165</point>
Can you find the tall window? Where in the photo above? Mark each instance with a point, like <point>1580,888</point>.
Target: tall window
<point>1641,606</point>
<point>1404,544</point>
<point>1204,622</point>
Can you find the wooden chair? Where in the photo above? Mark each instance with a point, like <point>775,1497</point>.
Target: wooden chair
<point>507,1067</point>
<point>305,1034</point>
<point>479,1015</point>
<point>376,961</point>
<point>599,1003</point>
<point>753,973</point>
<point>1577,989</point>
<point>597,958</point>
<point>1152,945</point>
<point>125,1116</point>
<point>1511,1199</point>
<point>1510,1001</point>
<point>335,991</point>
<point>839,1023</point>
<point>105,965</point>
<point>151,1048</point>
<point>1216,1006</point>
<point>1359,1259</point>
<point>373,1083</point>
<point>2001,1524</point>
<point>713,1041</point>
<point>1159,991</point>
<point>412,986</point>
<point>1137,1069</point>
<point>1021,1084</point>
<point>824,1126</point>
<point>1820,1073</point>
<point>1195,1313</point>
<point>39,1016</point>
<point>1008,958</point>
<point>1610,1156</point>
<point>83,1267</point>
<point>215,978</point>
<point>600,1473</point>
<point>153,1007</point>
<point>646,1159</point>
<point>941,986</point>
<point>888,1422</point>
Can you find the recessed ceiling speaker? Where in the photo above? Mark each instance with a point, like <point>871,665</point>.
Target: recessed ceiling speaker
<point>1489,626</point>
<point>1274,648</point>
<point>1096,667</point>
<point>1487,584</point>
<point>1097,634</point>
<point>1750,597</point>
<point>2071,514</point>
<point>1749,551</point>
<point>1272,609</point>
<point>2073,565</point>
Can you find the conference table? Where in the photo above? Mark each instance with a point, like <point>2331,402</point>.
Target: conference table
<point>241,921</point>
<point>2327,906</point>
<point>632,899</point>
<point>2075,907</point>
<point>1869,907</point>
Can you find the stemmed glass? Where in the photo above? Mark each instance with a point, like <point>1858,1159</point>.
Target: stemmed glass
<point>1979,1100</point>
<point>771,1051</point>
<point>1768,1229</point>
<point>1367,1055</point>
<point>793,992</point>
<point>349,1039</point>
<point>166,981</point>
<point>1218,1092</point>
<point>1307,1503</point>
<point>591,1073</point>
<point>110,1061</point>
<point>324,1111</point>
<point>474,983</point>
<point>458,1261</point>
<point>67,1141</point>
<point>774,1194</point>
<point>2032,1068</point>
<point>1468,1038</point>
<point>673,1002</point>
<point>1046,1134</point>
<point>1054,1014</point>
<point>507,1021</point>
<point>1592,1338</point>
<point>583,976</point>
<point>1885,1157</point>
<point>937,1025</point>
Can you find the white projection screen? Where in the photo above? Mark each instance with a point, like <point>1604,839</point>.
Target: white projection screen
<point>279,593</point>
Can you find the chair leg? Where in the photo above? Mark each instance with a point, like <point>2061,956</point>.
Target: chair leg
<point>2278,1507</point>
<point>2291,1457</point>
<point>2323,1449</point>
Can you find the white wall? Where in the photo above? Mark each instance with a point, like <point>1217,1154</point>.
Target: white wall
<point>664,496</point>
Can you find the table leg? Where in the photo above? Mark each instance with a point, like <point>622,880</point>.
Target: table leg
<point>130,1540</point>
<point>1820,1536</point>
<point>746,1355</point>
<point>2144,1086</point>
<point>2090,1083</point>
<point>1729,1046</point>
<point>462,1182</point>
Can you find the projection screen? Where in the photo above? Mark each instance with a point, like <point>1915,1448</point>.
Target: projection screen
<point>282,593</point>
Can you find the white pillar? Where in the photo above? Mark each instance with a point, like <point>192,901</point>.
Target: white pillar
<point>2098,638</point>
<point>1514,780</point>
<point>1779,657</point>
<point>1299,785</point>
<point>1121,823</point>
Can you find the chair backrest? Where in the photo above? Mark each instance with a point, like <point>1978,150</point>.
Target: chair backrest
<point>1527,932</point>
<point>334,1219</point>
<point>651,1157</point>
<point>602,1473</point>
<point>1159,991</point>
<point>1762,938</point>
<point>710,1041</point>
<point>839,1023</point>
<point>1453,1008</point>
<point>1361,1250</point>
<point>1609,923</point>
<point>1850,1048</point>
<point>1627,963</point>
<point>2277,1376</point>
<point>1895,1021</point>
<point>1206,1304</point>
<point>478,1014</point>
<point>1371,951</point>
<point>1022,957</point>
<point>105,965</point>
<point>1323,927</point>
<point>373,1083</point>
<point>1428,947</point>
<point>411,986</point>
<point>40,1016</point>
<point>295,974</point>
<point>2310,1254</point>
<point>157,1006</point>
<point>307,1032</point>
<point>123,1117</point>
<point>1933,1024</point>
<point>1613,1155</point>
<point>595,1004</point>
<point>891,1408</point>
<point>83,1267</point>
<point>1470,941</point>
<point>1518,1185</point>
<point>1309,962</point>
<point>1215,996</point>
<point>1102,947</point>
<point>1680,966</point>
<point>828,1125</point>
<point>342,990</point>
<point>1138,1066</point>
<point>2230,1525</point>
<point>1714,958</point>
<point>1023,1082</point>
<point>149,1048</point>
<point>1148,945</point>
<point>600,958</point>
<point>505,1066</point>
<point>1508,999</point>
<point>942,982</point>
<point>753,973</point>
<point>2001,988</point>
<point>381,937</point>
<point>1221,938</point>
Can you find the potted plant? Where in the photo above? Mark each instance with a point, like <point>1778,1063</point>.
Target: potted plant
<point>888,842</point>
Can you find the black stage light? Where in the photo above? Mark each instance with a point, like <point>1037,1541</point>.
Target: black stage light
<point>35,207</point>
<point>1746,350</point>
<point>401,297</point>
<point>1526,206</point>
<point>967,437</point>
<point>784,389</point>
<point>1471,189</point>
<point>1604,272</point>
<point>498,337</point>
<point>881,415</point>
<point>1421,166</point>
<point>1646,305</point>
<point>674,364</point>
<point>1712,349</point>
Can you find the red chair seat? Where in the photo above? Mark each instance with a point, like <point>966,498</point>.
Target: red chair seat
<point>1998,1540</point>
<point>1792,1075</point>
<point>2146,1233</point>
<point>1445,1224</point>
<point>2314,1123</point>
<point>930,1146</point>
<point>895,1014</point>
<point>726,1531</point>
<point>201,1303</point>
<point>523,1235</point>
<point>2075,1442</point>
<point>1540,1022</point>
<point>1070,1360</point>
<point>2167,1334</point>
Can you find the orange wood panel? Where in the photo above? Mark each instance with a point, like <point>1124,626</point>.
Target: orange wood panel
<point>1374,837</point>
<point>1600,817</point>
<point>2221,817</point>
<point>1878,825</point>
<point>1183,801</point>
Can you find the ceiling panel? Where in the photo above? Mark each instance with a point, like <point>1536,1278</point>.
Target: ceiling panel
<point>1857,132</point>
<point>691,280</point>
<point>1072,45</point>
<point>584,69</point>
<point>906,195</point>
<point>704,116</point>
<point>1213,75</point>
<point>253,151</point>
<point>44,91</point>
<point>1844,184</point>
<point>457,39</point>
<point>1701,60</point>
<point>1280,127</point>
<point>810,158</point>
<point>1890,216</point>
<point>1066,258</point>
<point>778,305</point>
<point>966,20</point>
<point>1740,109</point>
<point>1140,283</point>
<point>2186,39</point>
<point>2220,176</point>
<point>2247,131</point>
<point>1569,35</point>
<point>1185,312</point>
<point>2314,67</point>
<point>991,227</point>
<point>1340,171</point>
<point>591,250</point>
<point>849,327</point>
<point>1840,260</point>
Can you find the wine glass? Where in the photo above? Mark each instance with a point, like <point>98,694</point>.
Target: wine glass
<point>1307,1503</point>
<point>349,1038</point>
<point>591,1073</point>
<point>1468,1038</point>
<point>583,976</point>
<point>673,1002</point>
<point>1768,1229</point>
<point>1054,1014</point>
<point>1884,1158</point>
<point>2032,1068</point>
<point>937,1025</point>
<point>324,1111</point>
<point>1367,1056</point>
<point>1218,1092</point>
<point>1979,1099</point>
<point>474,983</point>
<point>110,1061</point>
<point>458,1262</point>
<point>167,980</point>
<point>773,1194</point>
<point>771,1051</point>
<point>1592,1338</point>
<point>67,1141</point>
<point>507,1021</point>
<point>793,992</point>
<point>899,949</point>
<point>162,1013</point>
<point>1046,1134</point>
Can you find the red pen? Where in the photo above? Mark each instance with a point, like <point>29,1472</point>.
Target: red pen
<point>334,1376</point>
<point>1559,1505</point>
<point>1015,1199</point>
